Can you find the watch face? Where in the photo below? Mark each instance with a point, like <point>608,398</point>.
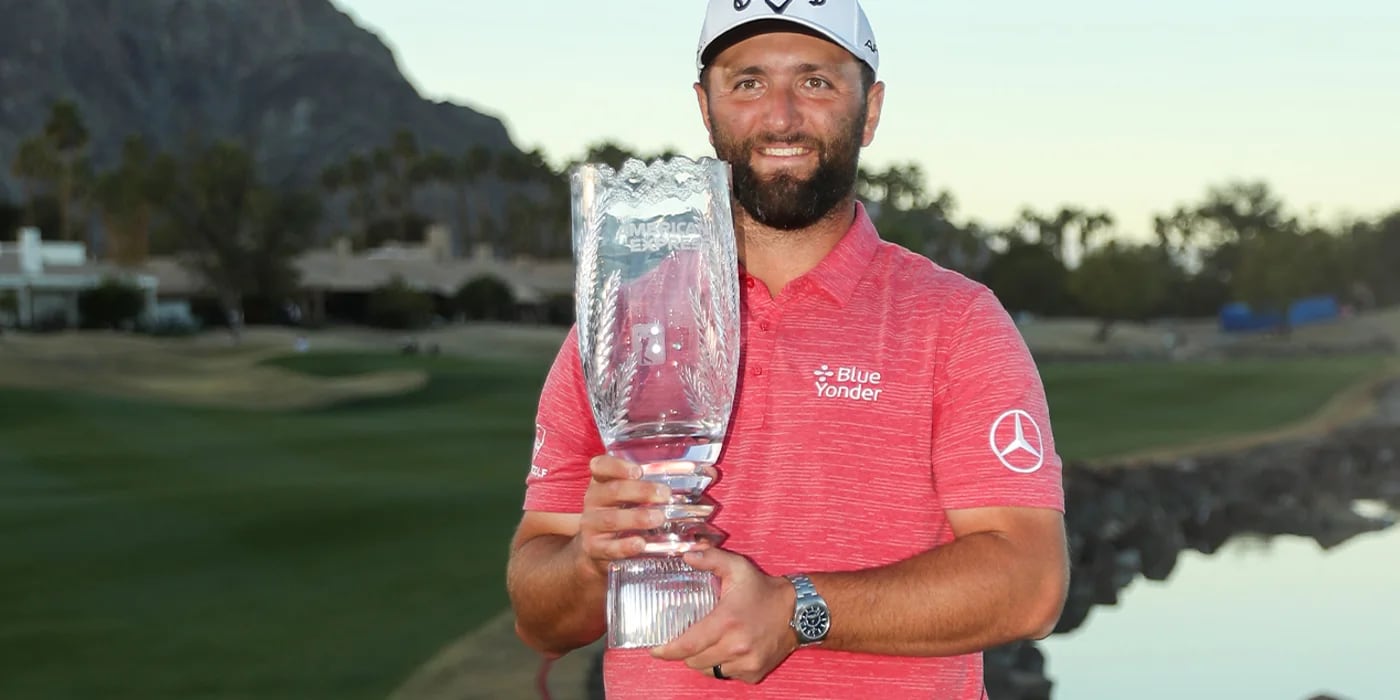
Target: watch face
<point>813,621</point>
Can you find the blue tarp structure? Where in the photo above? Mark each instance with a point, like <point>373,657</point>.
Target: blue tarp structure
<point>1314,310</point>
<point>1239,318</point>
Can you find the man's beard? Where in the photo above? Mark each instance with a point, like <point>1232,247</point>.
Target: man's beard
<point>783,201</point>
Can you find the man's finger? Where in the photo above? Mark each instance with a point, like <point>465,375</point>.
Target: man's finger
<point>706,661</point>
<point>609,548</point>
<point>716,561</point>
<point>607,468</point>
<point>699,637</point>
<point>614,520</point>
<point>616,492</point>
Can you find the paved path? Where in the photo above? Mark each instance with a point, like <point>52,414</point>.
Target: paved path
<point>492,664</point>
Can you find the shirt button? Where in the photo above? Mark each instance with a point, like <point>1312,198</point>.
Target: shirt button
<point>763,325</point>
<point>758,371</point>
<point>748,282</point>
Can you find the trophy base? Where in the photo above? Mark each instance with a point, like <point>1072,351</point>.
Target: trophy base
<point>652,600</point>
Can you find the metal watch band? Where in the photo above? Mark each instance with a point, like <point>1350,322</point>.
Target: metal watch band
<point>810,618</point>
<point>804,586</point>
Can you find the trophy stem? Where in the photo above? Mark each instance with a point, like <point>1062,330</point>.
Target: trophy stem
<point>653,599</point>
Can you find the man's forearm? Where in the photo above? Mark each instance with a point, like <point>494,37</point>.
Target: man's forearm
<point>976,592</point>
<point>559,602</point>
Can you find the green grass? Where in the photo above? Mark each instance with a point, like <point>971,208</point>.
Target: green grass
<point>161,552</point>
<point>1103,409</point>
<point>152,551</point>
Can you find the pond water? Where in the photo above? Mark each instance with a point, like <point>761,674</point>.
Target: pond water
<point>1274,619</point>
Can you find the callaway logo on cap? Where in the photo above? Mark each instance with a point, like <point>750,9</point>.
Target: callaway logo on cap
<point>842,21</point>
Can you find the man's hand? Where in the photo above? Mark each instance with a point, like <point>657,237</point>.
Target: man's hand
<point>558,570</point>
<point>747,633</point>
<point>610,511</point>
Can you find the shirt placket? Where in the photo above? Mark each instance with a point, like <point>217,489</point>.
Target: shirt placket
<point>762,342</point>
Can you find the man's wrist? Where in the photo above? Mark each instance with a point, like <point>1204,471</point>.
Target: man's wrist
<point>787,602</point>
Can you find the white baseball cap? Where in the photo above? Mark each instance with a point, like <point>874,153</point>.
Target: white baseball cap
<point>842,21</point>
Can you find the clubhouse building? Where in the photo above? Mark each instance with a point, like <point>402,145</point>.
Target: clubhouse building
<point>40,281</point>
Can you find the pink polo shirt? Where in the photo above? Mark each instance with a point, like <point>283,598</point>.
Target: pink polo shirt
<point>876,392</point>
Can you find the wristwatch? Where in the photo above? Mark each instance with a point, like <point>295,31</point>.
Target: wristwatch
<point>810,617</point>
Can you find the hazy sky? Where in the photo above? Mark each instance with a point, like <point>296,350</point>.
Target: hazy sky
<point>1133,107</point>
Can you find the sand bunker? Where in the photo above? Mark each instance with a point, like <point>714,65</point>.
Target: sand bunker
<point>190,372</point>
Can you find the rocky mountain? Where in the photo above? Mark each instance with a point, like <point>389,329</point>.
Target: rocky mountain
<point>297,81</point>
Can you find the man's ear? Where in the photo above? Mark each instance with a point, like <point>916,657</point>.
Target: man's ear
<point>703,98</point>
<point>874,102</point>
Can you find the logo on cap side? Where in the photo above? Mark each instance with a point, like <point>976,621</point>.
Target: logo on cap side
<point>816,3</point>
<point>741,5</point>
<point>778,7</point>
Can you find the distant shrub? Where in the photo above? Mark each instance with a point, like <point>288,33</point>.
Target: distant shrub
<point>559,310</point>
<point>171,327</point>
<point>52,322</point>
<point>486,298</point>
<point>398,306</point>
<point>112,304</point>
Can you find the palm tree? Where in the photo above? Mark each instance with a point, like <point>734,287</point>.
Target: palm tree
<point>359,177</point>
<point>435,168</point>
<point>904,186</point>
<point>517,171</point>
<point>397,164</point>
<point>610,153</point>
<point>35,165</point>
<point>523,218</point>
<point>1089,227</point>
<point>127,197</point>
<point>68,136</point>
<point>333,178</point>
<point>556,234</point>
<point>464,174</point>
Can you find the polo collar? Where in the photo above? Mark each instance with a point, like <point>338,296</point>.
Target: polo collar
<point>842,269</point>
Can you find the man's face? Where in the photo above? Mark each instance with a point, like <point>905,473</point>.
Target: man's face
<point>788,112</point>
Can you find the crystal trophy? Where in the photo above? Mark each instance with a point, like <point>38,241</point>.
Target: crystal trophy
<point>657,304</point>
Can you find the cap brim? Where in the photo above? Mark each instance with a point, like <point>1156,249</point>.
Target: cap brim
<point>753,26</point>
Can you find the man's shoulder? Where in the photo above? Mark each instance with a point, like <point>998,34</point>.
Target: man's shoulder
<point>910,273</point>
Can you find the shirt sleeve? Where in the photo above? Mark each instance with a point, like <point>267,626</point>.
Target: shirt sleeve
<point>566,437</point>
<point>992,440</point>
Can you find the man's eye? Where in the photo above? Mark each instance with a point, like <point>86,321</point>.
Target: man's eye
<point>749,84</point>
<point>817,83</point>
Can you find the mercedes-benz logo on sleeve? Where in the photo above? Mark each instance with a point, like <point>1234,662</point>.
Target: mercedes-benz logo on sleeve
<point>1017,442</point>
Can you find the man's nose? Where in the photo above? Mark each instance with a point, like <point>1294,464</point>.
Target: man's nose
<point>782,113</point>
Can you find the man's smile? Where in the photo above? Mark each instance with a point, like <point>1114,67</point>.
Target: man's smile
<point>784,151</point>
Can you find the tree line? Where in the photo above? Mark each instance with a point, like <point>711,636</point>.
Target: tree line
<point>206,204</point>
<point>1238,243</point>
